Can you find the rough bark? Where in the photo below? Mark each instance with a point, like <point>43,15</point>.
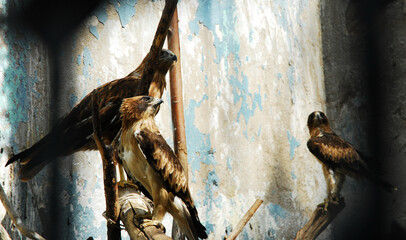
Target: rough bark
<point>109,175</point>
<point>319,220</point>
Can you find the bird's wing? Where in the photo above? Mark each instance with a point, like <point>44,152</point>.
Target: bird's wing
<point>161,157</point>
<point>336,153</point>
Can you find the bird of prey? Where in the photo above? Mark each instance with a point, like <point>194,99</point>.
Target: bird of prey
<point>73,132</point>
<point>147,158</point>
<point>338,157</point>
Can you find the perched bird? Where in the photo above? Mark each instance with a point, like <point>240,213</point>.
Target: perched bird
<point>74,132</point>
<point>147,158</point>
<point>338,157</point>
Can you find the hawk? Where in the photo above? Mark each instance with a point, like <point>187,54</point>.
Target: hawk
<point>338,157</point>
<point>74,132</point>
<point>147,158</point>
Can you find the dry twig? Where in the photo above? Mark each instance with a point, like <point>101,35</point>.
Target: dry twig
<point>16,219</point>
<point>319,220</point>
<point>237,230</point>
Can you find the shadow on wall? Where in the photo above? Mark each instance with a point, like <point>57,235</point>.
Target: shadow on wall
<point>26,91</point>
<point>358,56</point>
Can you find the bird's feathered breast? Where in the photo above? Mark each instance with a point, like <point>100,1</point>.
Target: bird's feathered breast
<point>334,152</point>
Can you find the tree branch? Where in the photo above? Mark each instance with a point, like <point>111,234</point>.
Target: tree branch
<point>319,220</point>
<point>159,39</point>
<point>109,174</point>
<point>135,208</point>
<point>16,219</point>
<point>237,230</point>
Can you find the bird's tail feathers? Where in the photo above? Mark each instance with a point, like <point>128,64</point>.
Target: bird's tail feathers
<point>36,157</point>
<point>192,227</point>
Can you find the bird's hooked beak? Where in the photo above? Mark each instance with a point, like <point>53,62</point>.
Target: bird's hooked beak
<point>317,116</point>
<point>157,102</point>
<point>168,55</point>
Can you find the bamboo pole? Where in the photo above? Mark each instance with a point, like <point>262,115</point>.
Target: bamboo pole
<point>241,224</point>
<point>109,173</point>
<point>319,220</point>
<point>178,118</point>
<point>175,76</point>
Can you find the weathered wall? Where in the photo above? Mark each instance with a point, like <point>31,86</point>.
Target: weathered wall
<point>349,70</point>
<point>252,73</point>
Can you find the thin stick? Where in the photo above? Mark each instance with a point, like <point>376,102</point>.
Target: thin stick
<point>237,230</point>
<point>109,173</point>
<point>319,220</point>
<point>16,219</point>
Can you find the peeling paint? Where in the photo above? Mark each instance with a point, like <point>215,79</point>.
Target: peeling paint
<point>125,10</point>
<point>293,143</point>
<point>93,30</point>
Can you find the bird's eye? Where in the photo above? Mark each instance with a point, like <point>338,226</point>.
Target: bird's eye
<point>147,99</point>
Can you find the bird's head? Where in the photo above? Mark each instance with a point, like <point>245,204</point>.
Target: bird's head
<point>316,122</point>
<point>139,107</point>
<point>166,60</point>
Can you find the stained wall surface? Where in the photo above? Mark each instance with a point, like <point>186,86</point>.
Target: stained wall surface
<point>252,72</point>
<point>364,69</point>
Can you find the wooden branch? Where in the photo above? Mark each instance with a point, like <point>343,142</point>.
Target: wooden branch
<point>16,219</point>
<point>237,230</point>
<point>158,42</point>
<point>134,209</point>
<point>109,174</point>
<point>319,220</point>
<point>178,118</point>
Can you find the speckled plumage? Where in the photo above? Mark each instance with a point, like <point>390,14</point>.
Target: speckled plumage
<point>147,158</point>
<point>338,157</point>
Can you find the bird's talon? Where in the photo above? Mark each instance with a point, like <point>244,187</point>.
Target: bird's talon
<point>148,223</point>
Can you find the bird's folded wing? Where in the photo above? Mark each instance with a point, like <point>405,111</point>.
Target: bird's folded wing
<point>335,152</point>
<point>160,156</point>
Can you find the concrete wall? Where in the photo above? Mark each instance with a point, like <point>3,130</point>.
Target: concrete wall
<point>363,53</point>
<point>252,73</point>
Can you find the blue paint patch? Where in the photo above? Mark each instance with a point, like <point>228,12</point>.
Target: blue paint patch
<point>291,78</point>
<point>73,100</point>
<point>190,37</point>
<point>240,92</point>
<point>293,175</point>
<point>87,62</point>
<point>93,30</point>
<point>18,85</point>
<point>279,76</point>
<point>220,16</point>
<point>229,163</point>
<point>250,37</point>
<point>212,13</point>
<point>277,212</point>
<point>293,143</point>
<point>199,144</point>
<point>79,61</point>
<point>125,10</point>
<point>101,14</point>
<point>259,130</point>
